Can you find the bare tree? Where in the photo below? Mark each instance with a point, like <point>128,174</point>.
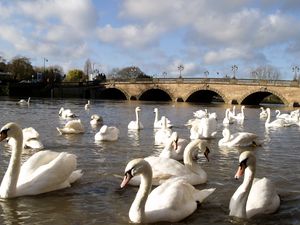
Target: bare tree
<point>88,69</point>
<point>267,72</point>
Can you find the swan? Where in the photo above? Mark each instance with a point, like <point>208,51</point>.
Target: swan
<point>205,128</point>
<point>238,139</point>
<point>240,117</point>
<point>159,123</point>
<point>166,168</point>
<point>72,127</point>
<point>170,202</point>
<point>87,105</point>
<point>24,102</point>
<point>263,114</point>
<point>44,171</point>
<point>162,135</point>
<point>227,119</point>
<point>107,133</point>
<point>31,139</point>
<point>254,196</point>
<point>282,116</point>
<point>66,113</point>
<point>275,123</point>
<point>136,124</point>
<point>96,120</point>
<point>174,147</point>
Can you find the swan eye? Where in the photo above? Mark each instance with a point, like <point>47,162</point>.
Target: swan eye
<point>3,134</point>
<point>244,163</point>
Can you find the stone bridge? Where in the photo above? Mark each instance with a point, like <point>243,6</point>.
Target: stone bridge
<point>206,90</point>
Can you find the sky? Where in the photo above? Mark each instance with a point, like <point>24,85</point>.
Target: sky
<point>155,35</point>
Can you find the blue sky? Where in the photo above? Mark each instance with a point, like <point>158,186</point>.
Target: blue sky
<point>155,35</point>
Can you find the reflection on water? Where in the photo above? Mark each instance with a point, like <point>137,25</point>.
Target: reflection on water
<point>96,197</point>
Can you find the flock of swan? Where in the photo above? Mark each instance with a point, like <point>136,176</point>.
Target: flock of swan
<point>174,171</point>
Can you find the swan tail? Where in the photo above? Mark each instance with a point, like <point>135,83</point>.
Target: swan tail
<point>201,195</point>
<point>75,176</point>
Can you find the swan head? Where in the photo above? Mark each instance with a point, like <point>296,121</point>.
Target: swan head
<point>246,159</point>
<point>61,110</point>
<point>155,110</point>
<point>11,130</point>
<point>135,167</point>
<point>138,109</point>
<point>174,139</point>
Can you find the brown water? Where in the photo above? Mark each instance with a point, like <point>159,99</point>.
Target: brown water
<point>96,197</point>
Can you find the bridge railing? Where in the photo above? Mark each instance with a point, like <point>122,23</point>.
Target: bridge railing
<point>286,83</point>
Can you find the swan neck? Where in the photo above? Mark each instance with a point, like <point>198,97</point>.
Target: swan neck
<point>137,210</point>
<point>188,153</point>
<point>156,117</point>
<point>9,182</point>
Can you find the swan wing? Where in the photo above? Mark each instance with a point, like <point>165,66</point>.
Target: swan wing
<point>48,172</point>
<point>242,139</point>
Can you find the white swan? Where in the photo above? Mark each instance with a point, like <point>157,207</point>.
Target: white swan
<point>240,117</point>
<point>157,124</point>
<point>107,133</point>
<point>161,136</point>
<point>96,120</point>
<point>227,119</point>
<point>72,127</point>
<point>31,139</point>
<point>24,102</point>
<point>205,128</point>
<point>166,168</point>
<point>44,171</point>
<point>174,147</point>
<point>238,139</point>
<point>275,123</point>
<point>170,202</point>
<point>87,105</point>
<point>263,114</point>
<point>253,196</point>
<point>66,113</point>
<point>136,124</point>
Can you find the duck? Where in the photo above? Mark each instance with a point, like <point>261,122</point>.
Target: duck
<point>43,172</point>
<point>162,135</point>
<point>107,133</point>
<point>66,113</point>
<point>167,168</point>
<point>136,124</point>
<point>174,147</point>
<point>238,139</point>
<point>87,105</point>
<point>157,124</point>
<point>254,196</point>
<point>72,127</point>
<point>96,120</point>
<point>170,202</point>
<point>24,102</point>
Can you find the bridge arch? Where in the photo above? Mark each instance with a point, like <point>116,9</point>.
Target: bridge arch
<point>206,94</point>
<point>113,93</point>
<point>155,94</point>
<point>255,97</point>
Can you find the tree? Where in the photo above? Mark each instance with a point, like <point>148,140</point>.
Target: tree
<point>21,68</point>
<point>267,72</point>
<point>3,66</point>
<point>52,74</point>
<point>88,69</point>
<point>131,72</point>
<point>75,75</point>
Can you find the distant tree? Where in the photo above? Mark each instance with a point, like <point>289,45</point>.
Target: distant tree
<point>131,72</point>
<point>3,66</point>
<point>21,68</point>
<point>88,69</point>
<point>52,74</point>
<point>267,72</point>
<point>75,75</point>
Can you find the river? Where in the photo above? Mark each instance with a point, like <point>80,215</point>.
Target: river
<point>97,199</point>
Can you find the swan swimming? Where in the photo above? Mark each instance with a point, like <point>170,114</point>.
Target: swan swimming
<point>238,139</point>
<point>44,171</point>
<point>170,202</point>
<point>107,133</point>
<point>24,102</point>
<point>167,168</point>
<point>253,196</point>
<point>72,127</point>
<point>136,124</point>
<point>66,113</point>
<point>157,124</point>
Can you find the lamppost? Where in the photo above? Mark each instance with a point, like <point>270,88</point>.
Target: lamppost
<point>206,73</point>
<point>180,68</point>
<point>234,68</point>
<point>45,60</point>
<point>295,69</point>
<point>164,74</point>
